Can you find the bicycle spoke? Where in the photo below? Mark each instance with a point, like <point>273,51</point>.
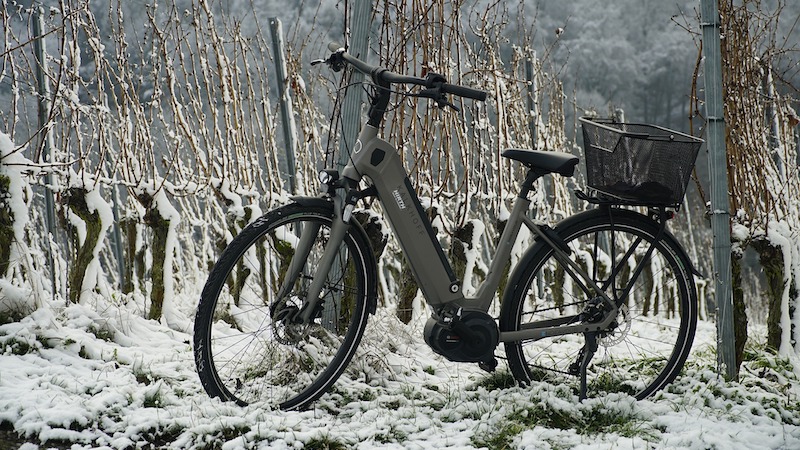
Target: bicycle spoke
<point>251,345</point>
<point>656,305</point>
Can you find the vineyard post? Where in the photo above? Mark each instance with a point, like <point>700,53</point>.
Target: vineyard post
<point>530,78</point>
<point>46,155</point>
<point>287,115</point>
<point>351,106</point>
<point>720,207</point>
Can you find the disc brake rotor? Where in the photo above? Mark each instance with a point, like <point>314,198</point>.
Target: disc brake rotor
<point>619,332</point>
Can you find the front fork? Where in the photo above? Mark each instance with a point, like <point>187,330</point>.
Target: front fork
<point>339,229</point>
<point>342,212</point>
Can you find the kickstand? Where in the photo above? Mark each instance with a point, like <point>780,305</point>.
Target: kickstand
<point>588,352</point>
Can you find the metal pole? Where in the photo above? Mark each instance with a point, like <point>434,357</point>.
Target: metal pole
<point>720,206</point>
<point>797,143</point>
<point>287,114</point>
<point>619,115</point>
<point>118,238</point>
<point>533,113</point>
<point>46,156</point>
<point>361,15</point>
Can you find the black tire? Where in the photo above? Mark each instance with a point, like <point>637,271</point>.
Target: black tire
<point>247,347</point>
<point>654,329</point>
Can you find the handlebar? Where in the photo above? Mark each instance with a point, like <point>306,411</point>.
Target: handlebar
<point>382,76</point>
<point>463,91</point>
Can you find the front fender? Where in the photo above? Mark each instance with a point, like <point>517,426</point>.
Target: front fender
<point>311,201</point>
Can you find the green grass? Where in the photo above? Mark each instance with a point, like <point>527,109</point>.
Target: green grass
<point>17,347</point>
<point>103,333</point>
<point>393,435</point>
<point>11,316</point>
<point>496,381</point>
<point>585,421</point>
<point>325,443</point>
<point>153,399</point>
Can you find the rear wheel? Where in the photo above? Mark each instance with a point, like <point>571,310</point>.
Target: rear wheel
<point>650,339</point>
<point>250,345</point>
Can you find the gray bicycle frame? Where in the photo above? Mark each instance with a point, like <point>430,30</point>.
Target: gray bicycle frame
<point>379,161</point>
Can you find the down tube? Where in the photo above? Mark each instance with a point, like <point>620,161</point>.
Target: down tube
<point>380,162</point>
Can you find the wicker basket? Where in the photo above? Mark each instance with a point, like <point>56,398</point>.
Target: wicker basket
<point>637,163</point>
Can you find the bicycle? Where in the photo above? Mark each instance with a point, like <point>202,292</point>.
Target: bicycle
<point>606,296</point>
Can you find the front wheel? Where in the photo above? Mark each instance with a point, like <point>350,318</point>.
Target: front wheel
<point>649,340</point>
<point>250,343</point>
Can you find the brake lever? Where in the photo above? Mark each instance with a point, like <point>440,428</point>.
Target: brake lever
<point>442,102</point>
<point>436,94</point>
<point>334,61</point>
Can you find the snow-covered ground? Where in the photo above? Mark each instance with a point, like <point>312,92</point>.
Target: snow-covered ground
<point>73,377</point>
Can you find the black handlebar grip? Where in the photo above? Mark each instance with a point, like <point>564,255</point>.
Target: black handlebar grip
<point>462,91</point>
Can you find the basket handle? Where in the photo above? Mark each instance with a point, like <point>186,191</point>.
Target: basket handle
<point>635,135</point>
<point>673,135</point>
<point>647,136</point>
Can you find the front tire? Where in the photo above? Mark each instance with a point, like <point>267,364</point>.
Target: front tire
<point>249,346</point>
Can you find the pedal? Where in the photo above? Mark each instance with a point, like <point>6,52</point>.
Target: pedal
<point>488,365</point>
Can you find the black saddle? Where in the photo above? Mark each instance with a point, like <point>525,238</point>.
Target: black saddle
<point>550,162</point>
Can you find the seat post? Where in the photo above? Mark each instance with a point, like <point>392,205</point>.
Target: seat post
<point>527,185</point>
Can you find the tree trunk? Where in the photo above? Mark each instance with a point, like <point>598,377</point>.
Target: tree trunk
<point>160,227</point>
<point>408,291</point>
<point>649,299</point>
<point>134,260</point>
<point>771,259</point>
<point>377,238</point>
<point>6,225</point>
<point>739,309</point>
<point>236,282</point>
<point>75,200</point>
<point>461,241</point>
<point>374,229</point>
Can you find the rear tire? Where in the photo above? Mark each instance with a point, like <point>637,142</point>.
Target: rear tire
<point>654,330</point>
<point>247,346</point>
